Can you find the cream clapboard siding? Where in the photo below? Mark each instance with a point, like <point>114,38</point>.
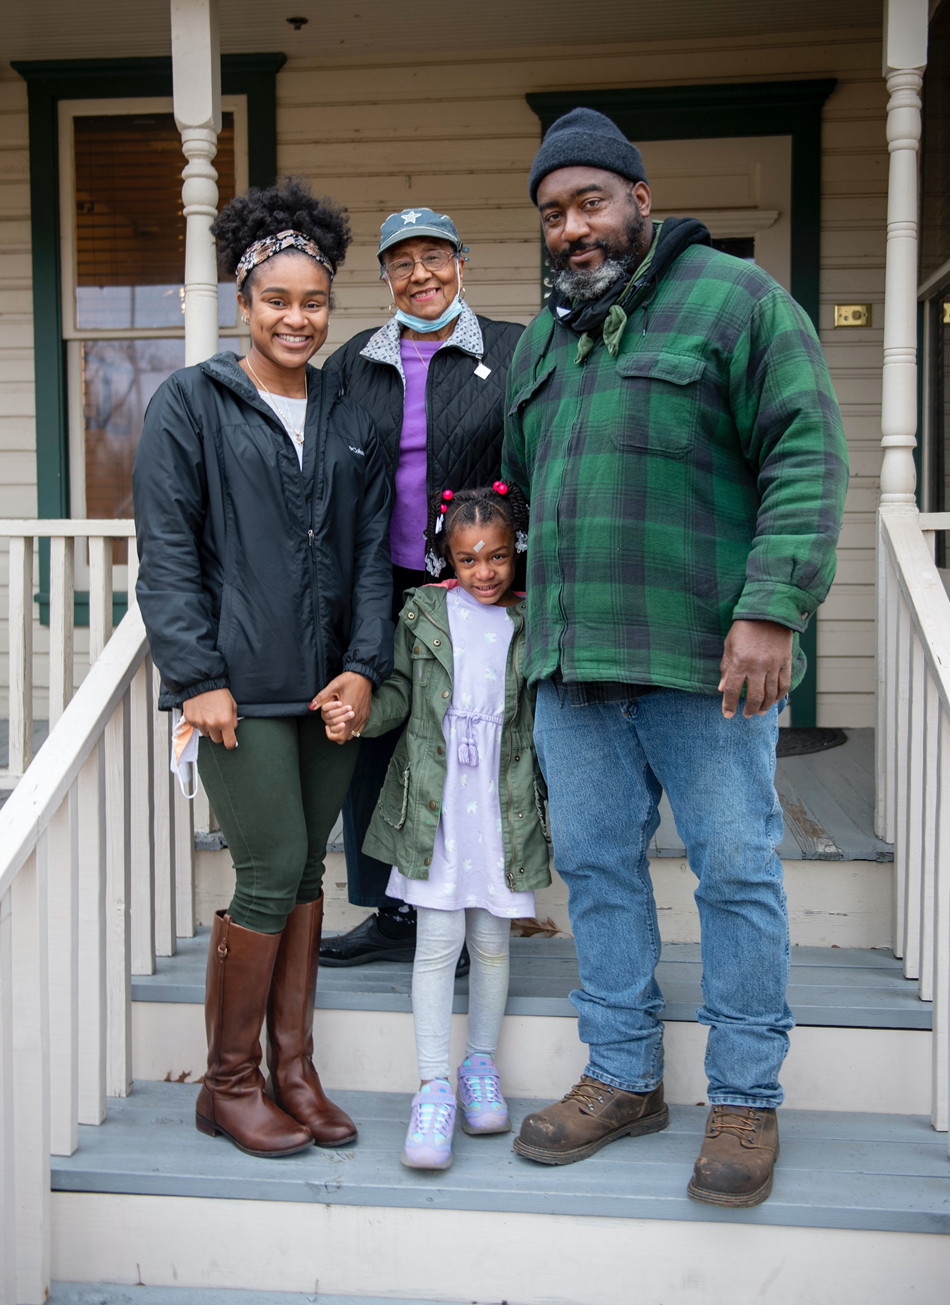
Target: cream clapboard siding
<point>455,132</point>
<point>17,436</point>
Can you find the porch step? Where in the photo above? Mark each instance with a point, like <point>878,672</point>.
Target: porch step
<point>105,1293</point>
<point>862,1042</point>
<point>837,1169</point>
<point>843,987</point>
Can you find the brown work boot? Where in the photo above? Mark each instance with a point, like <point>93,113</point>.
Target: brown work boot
<point>739,1153</point>
<point>591,1115</point>
<point>232,1100</point>
<point>293,1082</point>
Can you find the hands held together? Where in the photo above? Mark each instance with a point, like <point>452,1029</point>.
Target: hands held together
<point>344,705</point>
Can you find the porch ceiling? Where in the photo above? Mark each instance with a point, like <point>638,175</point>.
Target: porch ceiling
<point>65,29</point>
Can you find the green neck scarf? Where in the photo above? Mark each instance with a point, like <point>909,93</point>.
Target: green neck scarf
<point>616,320</point>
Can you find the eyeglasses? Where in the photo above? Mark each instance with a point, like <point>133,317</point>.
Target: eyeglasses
<point>402,268</point>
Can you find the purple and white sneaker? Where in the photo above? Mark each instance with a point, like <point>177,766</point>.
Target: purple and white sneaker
<point>429,1136</point>
<point>483,1106</point>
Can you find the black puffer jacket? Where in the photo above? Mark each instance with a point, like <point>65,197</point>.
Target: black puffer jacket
<point>253,575</point>
<point>465,409</point>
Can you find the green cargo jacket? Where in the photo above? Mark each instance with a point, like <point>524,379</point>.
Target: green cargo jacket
<point>406,819</point>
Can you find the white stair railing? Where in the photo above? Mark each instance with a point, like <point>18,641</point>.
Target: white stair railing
<point>96,866</point>
<point>913,730</point>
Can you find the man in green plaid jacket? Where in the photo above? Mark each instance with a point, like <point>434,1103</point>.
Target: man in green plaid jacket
<point>673,424</point>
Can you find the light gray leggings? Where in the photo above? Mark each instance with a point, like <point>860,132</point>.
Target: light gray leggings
<point>439,939</point>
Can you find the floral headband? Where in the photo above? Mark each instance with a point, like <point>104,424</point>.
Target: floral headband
<point>261,250</point>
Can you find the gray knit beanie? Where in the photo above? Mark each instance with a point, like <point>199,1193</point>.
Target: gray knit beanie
<point>585,136</point>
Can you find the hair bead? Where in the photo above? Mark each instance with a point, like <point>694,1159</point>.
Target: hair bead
<point>500,487</point>
<point>448,496</point>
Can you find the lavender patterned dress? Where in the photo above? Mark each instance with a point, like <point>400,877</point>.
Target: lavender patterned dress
<point>468,860</point>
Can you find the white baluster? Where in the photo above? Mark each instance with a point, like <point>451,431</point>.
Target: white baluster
<point>930,817</point>
<point>7,1126</point>
<point>165,913</point>
<point>885,661</point>
<point>912,833</point>
<point>61,598</point>
<point>132,573</point>
<point>21,653</point>
<point>92,937</point>
<point>142,822</point>
<point>901,671</point>
<point>196,76</point>
<point>100,595</point>
<point>62,837</point>
<point>118,887</point>
<point>941,937</point>
<point>184,864</point>
<point>31,1144</point>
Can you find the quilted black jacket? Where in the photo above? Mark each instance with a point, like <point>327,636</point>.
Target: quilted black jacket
<point>255,575</point>
<point>465,410</point>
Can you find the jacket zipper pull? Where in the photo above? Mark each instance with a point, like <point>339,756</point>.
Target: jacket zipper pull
<point>310,539</point>
<point>511,881</point>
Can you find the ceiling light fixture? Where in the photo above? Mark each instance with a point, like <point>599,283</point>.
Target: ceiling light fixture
<point>297,23</point>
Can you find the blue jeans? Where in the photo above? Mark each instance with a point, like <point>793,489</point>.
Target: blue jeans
<point>606,767</point>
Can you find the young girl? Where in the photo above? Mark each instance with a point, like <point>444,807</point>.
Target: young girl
<point>461,814</point>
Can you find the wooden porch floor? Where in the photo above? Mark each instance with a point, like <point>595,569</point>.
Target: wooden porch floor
<point>827,799</point>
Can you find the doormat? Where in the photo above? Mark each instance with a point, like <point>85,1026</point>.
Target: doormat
<point>794,742</point>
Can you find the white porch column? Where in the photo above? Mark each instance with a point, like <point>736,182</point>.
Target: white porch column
<point>196,72</point>
<point>905,57</point>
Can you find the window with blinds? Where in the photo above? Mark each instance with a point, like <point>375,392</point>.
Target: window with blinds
<point>129,272</point>
<point>130,232</point>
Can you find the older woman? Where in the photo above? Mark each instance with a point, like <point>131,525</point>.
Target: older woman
<point>262,513</point>
<point>433,380</point>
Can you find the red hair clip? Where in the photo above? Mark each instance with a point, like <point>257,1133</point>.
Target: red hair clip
<point>443,508</point>
<point>500,487</point>
<point>448,496</point>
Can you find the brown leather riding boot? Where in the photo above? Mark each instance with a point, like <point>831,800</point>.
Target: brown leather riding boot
<point>232,1100</point>
<point>738,1156</point>
<point>591,1115</point>
<point>293,1082</point>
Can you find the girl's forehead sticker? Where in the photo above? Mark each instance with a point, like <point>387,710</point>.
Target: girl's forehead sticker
<point>479,546</point>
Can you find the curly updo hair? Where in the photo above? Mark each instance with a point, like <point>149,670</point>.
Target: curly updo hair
<point>289,205</point>
<point>472,507</point>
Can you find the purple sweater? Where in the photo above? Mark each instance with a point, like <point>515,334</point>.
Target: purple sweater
<point>408,523</point>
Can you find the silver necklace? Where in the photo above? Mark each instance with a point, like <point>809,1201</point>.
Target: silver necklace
<point>296,435</point>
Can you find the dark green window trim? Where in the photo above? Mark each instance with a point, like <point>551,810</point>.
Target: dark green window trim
<point>742,109</point>
<point>48,82</point>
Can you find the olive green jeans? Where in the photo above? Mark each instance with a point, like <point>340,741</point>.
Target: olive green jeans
<point>276,797</point>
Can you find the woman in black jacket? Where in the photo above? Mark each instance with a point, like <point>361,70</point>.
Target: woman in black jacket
<point>433,380</point>
<point>262,511</point>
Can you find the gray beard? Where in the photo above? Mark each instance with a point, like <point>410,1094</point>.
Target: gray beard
<point>584,284</point>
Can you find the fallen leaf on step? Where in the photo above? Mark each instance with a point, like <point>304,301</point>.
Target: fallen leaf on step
<point>531,926</point>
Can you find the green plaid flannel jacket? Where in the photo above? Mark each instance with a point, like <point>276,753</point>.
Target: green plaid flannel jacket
<point>695,478</point>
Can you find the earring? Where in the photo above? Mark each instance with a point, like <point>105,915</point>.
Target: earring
<point>245,320</point>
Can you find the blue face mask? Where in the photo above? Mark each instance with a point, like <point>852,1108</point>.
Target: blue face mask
<point>423,324</point>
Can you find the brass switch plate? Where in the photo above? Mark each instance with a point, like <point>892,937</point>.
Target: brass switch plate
<point>852,314</point>
<point>946,313</point>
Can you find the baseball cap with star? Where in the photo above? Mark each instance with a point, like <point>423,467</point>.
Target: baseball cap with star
<point>412,222</point>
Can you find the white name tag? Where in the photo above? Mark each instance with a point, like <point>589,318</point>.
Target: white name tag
<point>482,371</point>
